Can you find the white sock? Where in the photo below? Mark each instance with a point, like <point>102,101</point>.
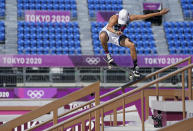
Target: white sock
<point>108,56</point>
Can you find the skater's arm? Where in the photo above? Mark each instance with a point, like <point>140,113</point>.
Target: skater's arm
<point>142,17</point>
<point>113,21</point>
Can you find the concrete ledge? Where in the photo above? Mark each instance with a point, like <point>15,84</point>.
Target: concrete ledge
<point>171,106</point>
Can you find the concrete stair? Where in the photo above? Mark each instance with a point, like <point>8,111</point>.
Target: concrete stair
<point>85,27</point>
<point>175,13</point>
<point>133,6</point>
<point>25,102</point>
<point>131,127</point>
<point>172,106</point>
<point>11,27</point>
<point>160,40</point>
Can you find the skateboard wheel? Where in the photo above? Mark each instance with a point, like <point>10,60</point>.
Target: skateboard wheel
<point>109,67</point>
<point>131,77</point>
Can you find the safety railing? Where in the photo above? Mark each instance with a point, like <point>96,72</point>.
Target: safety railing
<point>54,106</point>
<point>188,59</point>
<point>120,101</point>
<point>50,76</point>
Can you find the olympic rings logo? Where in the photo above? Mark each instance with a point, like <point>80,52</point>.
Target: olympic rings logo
<point>93,60</point>
<point>35,94</point>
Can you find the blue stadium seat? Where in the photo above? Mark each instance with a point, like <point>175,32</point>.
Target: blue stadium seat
<point>20,50</point>
<point>33,43</point>
<point>187,8</point>
<point>180,40</point>
<point>65,50</point>
<point>78,51</point>
<point>48,38</point>
<point>2,8</point>
<point>33,51</point>
<point>71,50</point>
<point>2,31</point>
<point>69,5</point>
<point>104,5</point>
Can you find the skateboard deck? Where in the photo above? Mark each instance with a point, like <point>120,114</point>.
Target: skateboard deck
<point>134,81</point>
<point>132,78</point>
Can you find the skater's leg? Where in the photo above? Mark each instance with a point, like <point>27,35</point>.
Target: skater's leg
<point>130,45</point>
<point>104,39</point>
<point>127,43</point>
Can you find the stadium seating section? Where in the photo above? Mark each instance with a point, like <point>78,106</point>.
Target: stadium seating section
<point>2,31</point>
<point>2,8</point>
<point>64,38</point>
<point>187,7</point>
<point>179,36</point>
<point>104,5</point>
<point>138,32</point>
<point>48,38</point>
<point>69,5</point>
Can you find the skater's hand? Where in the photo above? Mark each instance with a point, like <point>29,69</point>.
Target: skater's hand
<point>164,11</point>
<point>118,32</point>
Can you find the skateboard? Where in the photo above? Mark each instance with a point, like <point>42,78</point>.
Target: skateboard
<point>132,78</point>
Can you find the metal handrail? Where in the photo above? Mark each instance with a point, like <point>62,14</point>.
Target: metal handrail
<point>118,89</point>
<point>101,106</point>
<point>53,106</point>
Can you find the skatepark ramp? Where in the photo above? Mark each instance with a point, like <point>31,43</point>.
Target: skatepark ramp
<point>112,106</point>
<point>119,102</point>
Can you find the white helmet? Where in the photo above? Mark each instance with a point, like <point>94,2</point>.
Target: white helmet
<point>123,17</point>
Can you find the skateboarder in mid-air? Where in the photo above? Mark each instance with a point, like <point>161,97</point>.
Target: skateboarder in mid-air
<point>113,33</point>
